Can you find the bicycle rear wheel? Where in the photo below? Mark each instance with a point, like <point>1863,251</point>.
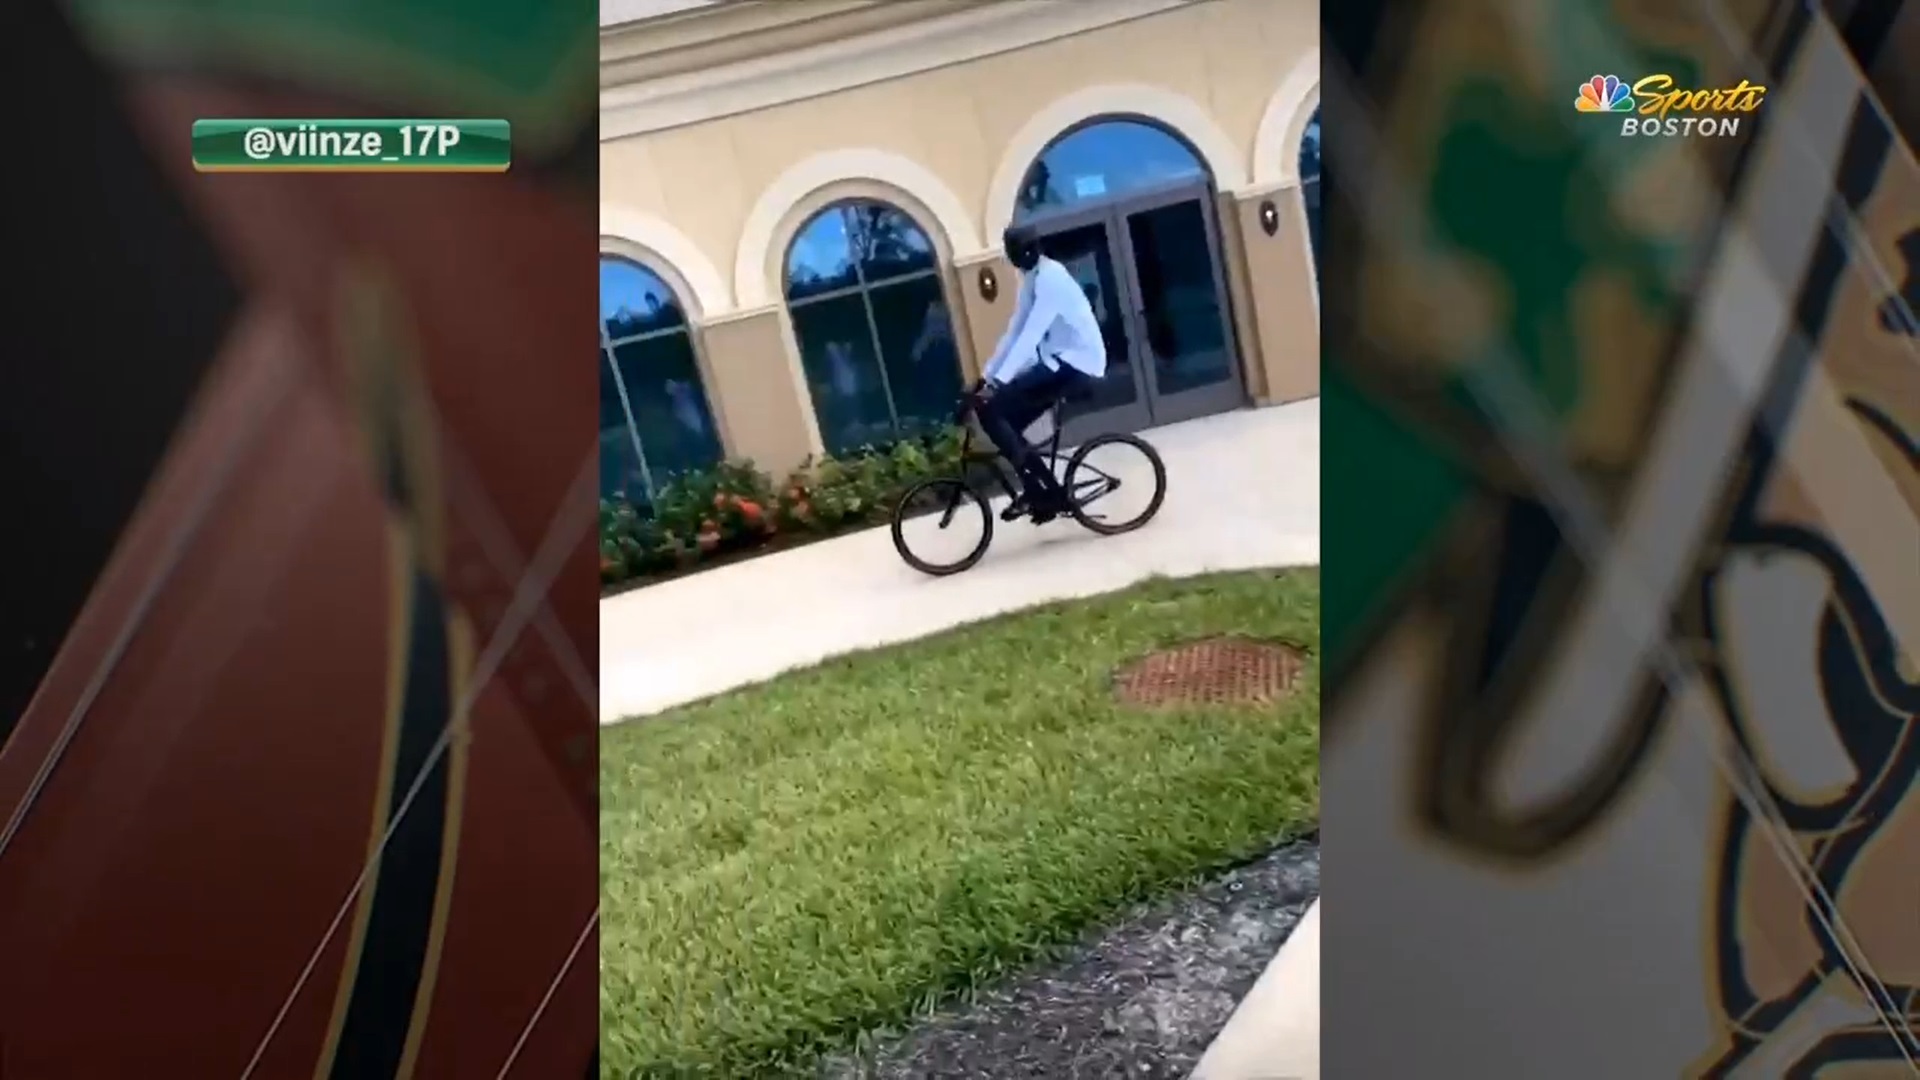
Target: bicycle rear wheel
<point>941,526</point>
<point>1104,468</point>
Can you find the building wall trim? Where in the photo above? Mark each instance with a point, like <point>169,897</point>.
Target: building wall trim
<point>681,257</point>
<point>615,13</point>
<point>1179,113</point>
<point>636,108</point>
<point>754,256</point>
<point>1276,148</point>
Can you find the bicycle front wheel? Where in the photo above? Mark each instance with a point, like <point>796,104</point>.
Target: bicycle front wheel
<point>1116,483</point>
<point>941,526</point>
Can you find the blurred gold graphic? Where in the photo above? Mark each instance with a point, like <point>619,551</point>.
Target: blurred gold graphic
<point>1654,658</point>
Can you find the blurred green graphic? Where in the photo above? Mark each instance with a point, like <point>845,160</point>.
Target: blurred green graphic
<point>530,63</point>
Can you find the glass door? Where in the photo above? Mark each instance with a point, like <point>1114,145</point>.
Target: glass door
<point>1181,320</point>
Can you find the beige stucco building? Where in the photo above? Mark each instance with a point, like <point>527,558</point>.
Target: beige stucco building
<point>766,160</point>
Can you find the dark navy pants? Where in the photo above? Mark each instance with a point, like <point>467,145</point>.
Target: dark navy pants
<point>1013,409</point>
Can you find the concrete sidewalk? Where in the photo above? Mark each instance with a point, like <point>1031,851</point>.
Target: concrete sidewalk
<point>1275,1033</point>
<point>1243,492</point>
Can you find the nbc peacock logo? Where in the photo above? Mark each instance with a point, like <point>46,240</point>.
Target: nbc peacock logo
<point>1604,93</point>
<point>1660,105</point>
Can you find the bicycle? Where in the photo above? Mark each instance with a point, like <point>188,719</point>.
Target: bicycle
<point>1086,484</point>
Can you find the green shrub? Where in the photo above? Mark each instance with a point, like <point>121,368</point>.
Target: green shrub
<point>633,544</point>
<point>737,507</point>
<point>720,509</point>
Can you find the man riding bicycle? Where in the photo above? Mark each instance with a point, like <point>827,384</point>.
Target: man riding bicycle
<point>1052,347</point>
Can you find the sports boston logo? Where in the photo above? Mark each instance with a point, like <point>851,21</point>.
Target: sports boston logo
<point>1657,105</point>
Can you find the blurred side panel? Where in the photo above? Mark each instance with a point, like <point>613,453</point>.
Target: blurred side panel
<point>1884,37</point>
<point>310,785</point>
<point>79,450</point>
<point>1622,484</point>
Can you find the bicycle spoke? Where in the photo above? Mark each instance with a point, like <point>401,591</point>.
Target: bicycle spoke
<point>1088,492</point>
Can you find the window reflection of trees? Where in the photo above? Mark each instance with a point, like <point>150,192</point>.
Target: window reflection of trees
<point>1104,159</point>
<point>872,324</point>
<point>655,420</point>
<point>1310,190</point>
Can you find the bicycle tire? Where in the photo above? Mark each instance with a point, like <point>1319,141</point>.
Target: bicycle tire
<point>960,494</point>
<point>1159,469</point>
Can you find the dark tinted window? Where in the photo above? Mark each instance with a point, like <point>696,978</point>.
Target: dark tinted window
<point>655,421</point>
<point>1310,185</point>
<point>872,324</point>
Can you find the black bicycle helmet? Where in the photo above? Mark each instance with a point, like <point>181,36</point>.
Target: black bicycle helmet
<point>1022,245</point>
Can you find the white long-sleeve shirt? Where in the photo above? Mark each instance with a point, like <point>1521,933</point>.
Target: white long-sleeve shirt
<point>1052,318</point>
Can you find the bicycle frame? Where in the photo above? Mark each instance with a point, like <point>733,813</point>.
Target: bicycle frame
<point>1085,493</point>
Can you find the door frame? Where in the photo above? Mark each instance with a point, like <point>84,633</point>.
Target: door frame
<point>1150,407</point>
<point>1226,395</point>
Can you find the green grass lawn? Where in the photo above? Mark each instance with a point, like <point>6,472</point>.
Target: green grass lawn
<point>790,865</point>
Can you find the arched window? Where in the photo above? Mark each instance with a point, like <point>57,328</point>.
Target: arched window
<point>875,334</point>
<point>1105,158</point>
<point>654,419</point>
<point>1310,185</point>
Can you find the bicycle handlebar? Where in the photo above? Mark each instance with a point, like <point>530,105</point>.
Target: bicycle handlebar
<point>969,402</point>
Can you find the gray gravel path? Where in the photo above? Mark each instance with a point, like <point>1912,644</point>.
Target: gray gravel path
<point>1142,999</point>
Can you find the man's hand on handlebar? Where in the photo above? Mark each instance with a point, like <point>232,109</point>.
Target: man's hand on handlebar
<point>971,399</point>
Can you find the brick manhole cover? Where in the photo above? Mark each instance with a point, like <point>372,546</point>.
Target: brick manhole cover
<point>1214,671</point>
